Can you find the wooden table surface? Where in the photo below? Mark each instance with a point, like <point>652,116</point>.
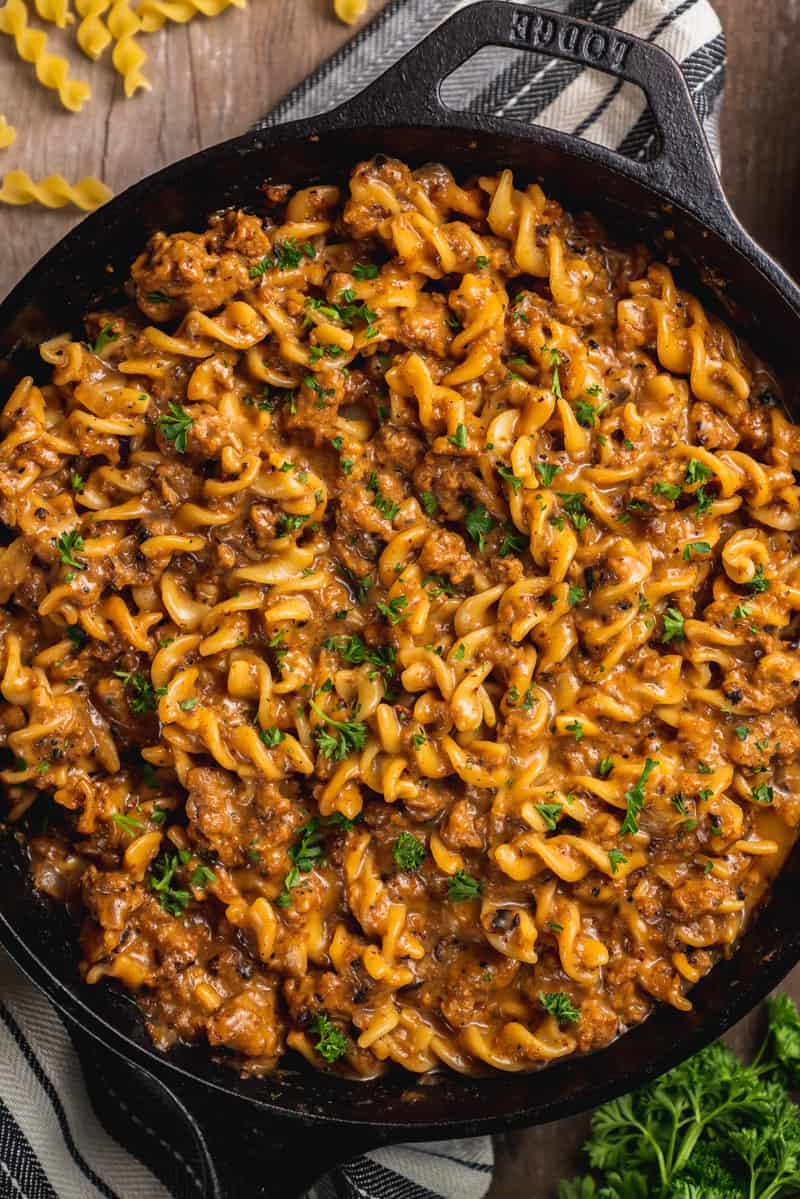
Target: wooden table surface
<point>212,79</point>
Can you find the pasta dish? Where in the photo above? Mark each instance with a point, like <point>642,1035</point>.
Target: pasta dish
<point>399,657</point>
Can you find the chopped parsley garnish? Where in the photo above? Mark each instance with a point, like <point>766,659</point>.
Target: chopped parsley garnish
<point>763,793</point>
<point>559,1005</point>
<point>605,767</point>
<point>554,359</point>
<point>670,491</point>
<point>104,338</point>
<point>704,502</point>
<point>479,524</point>
<point>429,502</point>
<point>68,545</point>
<point>76,635</point>
<point>759,581</point>
<point>407,852</point>
<point>616,858</point>
<point>463,886</point>
<point>576,728</point>
<point>512,542</point>
<point>356,652</point>
<point>364,270</point>
<point>697,472</point>
<point>160,880</point>
<point>741,612</point>
<point>393,609</point>
<point>387,508</point>
<point>289,524</point>
<point>437,585</point>
<point>506,473</point>
<point>271,736</point>
<point>331,1042</point>
<point>742,732</point>
<point>186,705</point>
<point>585,413</point>
<point>346,737</point>
<point>673,626</point>
<point>481,262</point>
<point>634,798</point>
<point>142,695</point>
<point>128,824</point>
<point>76,481</point>
<point>459,438</point>
<point>175,424</point>
<point>572,503</point>
<point>575,595</point>
<point>550,813</point>
<point>695,548</point>
<point>306,853</point>
<point>547,471</point>
<point>156,297</point>
<point>201,877</point>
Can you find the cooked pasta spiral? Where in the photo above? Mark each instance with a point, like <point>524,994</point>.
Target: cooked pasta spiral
<point>403,647</point>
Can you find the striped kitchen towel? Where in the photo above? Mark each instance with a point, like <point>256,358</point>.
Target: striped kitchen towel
<point>75,1123</point>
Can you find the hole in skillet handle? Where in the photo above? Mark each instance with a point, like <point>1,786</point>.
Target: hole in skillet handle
<point>410,93</point>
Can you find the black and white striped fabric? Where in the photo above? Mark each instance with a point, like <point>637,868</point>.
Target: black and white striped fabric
<point>74,1122</point>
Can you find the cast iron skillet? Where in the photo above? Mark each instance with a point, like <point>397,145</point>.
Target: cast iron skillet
<point>299,1122</point>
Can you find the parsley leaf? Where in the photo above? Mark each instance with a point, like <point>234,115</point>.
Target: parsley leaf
<point>697,472</point>
<point>695,548</point>
<point>559,1004</point>
<point>572,503</point>
<point>348,736</point>
<point>68,545</point>
<point>759,581</point>
<point>478,524</point>
<point>393,610</point>
<point>407,852</point>
<point>142,695</point>
<point>331,1042</point>
<point>550,813</point>
<point>670,491</point>
<point>175,424</point>
<point>104,338</point>
<point>547,471</point>
<point>463,886</point>
<point>429,502</point>
<point>513,480</point>
<point>673,626</point>
<point>634,797</point>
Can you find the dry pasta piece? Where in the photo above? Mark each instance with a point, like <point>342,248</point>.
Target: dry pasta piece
<point>51,69</point>
<point>154,13</point>
<point>128,56</point>
<point>93,35</point>
<point>54,191</point>
<point>349,11</point>
<point>56,11</point>
<point>8,134</point>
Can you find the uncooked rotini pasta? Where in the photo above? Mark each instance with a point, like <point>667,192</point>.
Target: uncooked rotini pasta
<point>398,651</point>
<point>56,11</point>
<point>17,187</point>
<point>93,35</point>
<point>154,13</point>
<point>31,45</point>
<point>349,11</point>
<point>127,56</point>
<point>8,134</point>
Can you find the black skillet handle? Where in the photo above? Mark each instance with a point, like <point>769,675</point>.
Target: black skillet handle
<point>226,1147</point>
<point>409,93</point>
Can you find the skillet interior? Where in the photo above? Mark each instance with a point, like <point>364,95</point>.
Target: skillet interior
<point>75,276</point>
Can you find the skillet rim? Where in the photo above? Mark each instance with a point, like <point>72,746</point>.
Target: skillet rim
<point>722,225</point>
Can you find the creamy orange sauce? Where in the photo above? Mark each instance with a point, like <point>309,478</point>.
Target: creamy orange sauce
<point>400,630</point>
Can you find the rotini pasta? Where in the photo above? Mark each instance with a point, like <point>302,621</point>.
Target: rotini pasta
<point>402,656</point>
<point>17,187</point>
<point>56,11</point>
<point>349,11</point>
<point>93,35</point>
<point>127,56</point>
<point>155,13</point>
<point>8,134</point>
<point>51,70</point>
